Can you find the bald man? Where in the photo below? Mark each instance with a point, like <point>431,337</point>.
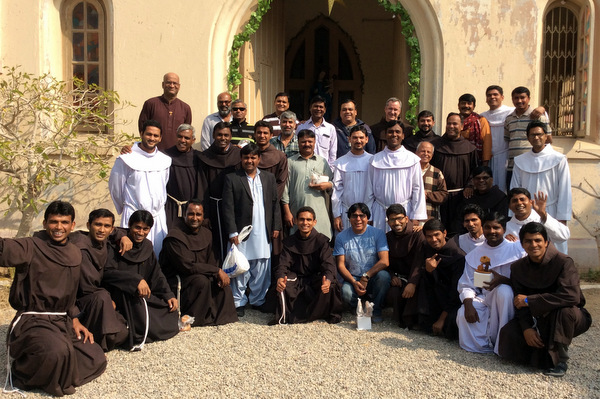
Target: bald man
<point>222,115</point>
<point>168,110</point>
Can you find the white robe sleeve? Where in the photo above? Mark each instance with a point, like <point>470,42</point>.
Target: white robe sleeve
<point>419,208</point>
<point>116,184</point>
<point>564,207</point>
<point>466,287</point>
<point>370,195</point>
<point>556,230</point>
<point>515,181</point>
<point>338,190</point>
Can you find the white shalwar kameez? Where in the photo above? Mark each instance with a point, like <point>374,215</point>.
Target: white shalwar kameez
<point>467,243</point>
<point>257,250</point>
<point>349,183</point>
<point>546,171</point>
<point>395,178</point>
<point>499,159</point>
<point>495,308</point>
<point>137,181</point>
<point>558,233</point>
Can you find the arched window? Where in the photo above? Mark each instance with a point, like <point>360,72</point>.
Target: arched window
<point>565,67</point>
<point>84,25</point>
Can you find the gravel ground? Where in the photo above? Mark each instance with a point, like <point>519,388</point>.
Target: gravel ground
<point>252,360</point>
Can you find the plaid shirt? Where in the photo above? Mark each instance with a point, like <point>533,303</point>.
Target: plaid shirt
<point>435,190</point>
<point>291,149</point>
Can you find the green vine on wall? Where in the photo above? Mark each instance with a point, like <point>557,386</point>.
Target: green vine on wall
<point>234,76</point>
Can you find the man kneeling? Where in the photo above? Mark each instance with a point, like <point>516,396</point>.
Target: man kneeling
<point>549,305</point>
<point>305,275</point>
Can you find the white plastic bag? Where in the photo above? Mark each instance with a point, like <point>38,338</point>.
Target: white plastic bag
<point>235,262</point>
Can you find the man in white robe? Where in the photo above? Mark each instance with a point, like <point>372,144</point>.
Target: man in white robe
<point>544,169</point>
<point>486,310</point>
<point>494,95</point>
<point>395,178</point>
<point>527,209</point>
<point>350,178</point>
<point>138,180</point>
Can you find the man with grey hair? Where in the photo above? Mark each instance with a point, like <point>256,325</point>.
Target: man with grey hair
<point>392,110</point>
<point>222,115</point>
<point>240,129</point>
<point>186,180</point>
<point>287,140</point>
<point>167,109</point>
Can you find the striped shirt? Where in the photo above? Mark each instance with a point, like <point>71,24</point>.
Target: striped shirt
<point>515,132</point>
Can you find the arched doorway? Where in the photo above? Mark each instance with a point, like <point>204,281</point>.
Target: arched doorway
<point>322,60</point>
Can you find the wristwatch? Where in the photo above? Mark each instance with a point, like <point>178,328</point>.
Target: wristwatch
<point>365,275</point>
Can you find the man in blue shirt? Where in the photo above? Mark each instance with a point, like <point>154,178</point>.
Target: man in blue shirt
<point>362,256</point>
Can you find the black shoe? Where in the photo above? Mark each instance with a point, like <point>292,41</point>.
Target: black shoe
<point>240,311</point>
<point>559,371</point>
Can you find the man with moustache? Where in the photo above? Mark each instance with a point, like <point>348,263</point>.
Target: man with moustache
<point>187,253</point>
<point>222,115</point>
<point>250,198</point>
<point>325,134</point>
<point>395,178</point>
<point>425,122</point>
<point>350,177</point>
<point>220,159</point>
<point>345,123</point>
<point>456,158</point>
<point>286,141</point>
<point>240,129</point>
<point>138,180</point>
<point>472,216</point>
<point>282,104</point>
<point>301,190</point>
<point>476,128</point>
<point>168,110</point>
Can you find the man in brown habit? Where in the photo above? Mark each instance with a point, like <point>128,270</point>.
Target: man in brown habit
<point>50,349</point>
<point>187,253</point>
<point>549,305</point>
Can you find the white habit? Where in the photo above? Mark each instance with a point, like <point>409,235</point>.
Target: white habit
<point>558,233</point>
<point>468,243</point>
<point>495,308</point>
<point>546,171</point>
<point>349,183</point>
<point>499,159</point>
<point>395,178</point>
<point>139,181</point>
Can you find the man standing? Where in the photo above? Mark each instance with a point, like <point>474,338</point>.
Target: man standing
<point>271,160</point>
<point>425,122</point>
<point>220,159</point>
<point>186,180</point>
<point>526,209</point>
<point>433,181</point>
<point>550,305</point>
<point>305,275</point>
<point>475,129</point>
<point>392,112</point>
<point>438,299</point>
<point>326,136</point>
<point>282,104</point>
<point>395,178</point>
<point>345,123</point>
<point>47,345</point>
<point>250,198</point>
<point>222,115</point>
<point>301,189</point>
<point>456,158</point>
<point>138,180</point>
<point>487,309</point>
<point>95,305</point>
<point>287,142</point>
<point>168,110</point>
<point>472,216</point>
<point>240,129</point>
<point>362,257</point>
<point>350,177</point>
<point>404,242</point>
<point>187,253</point>
<point>515,127</point>
<point>544,169</point>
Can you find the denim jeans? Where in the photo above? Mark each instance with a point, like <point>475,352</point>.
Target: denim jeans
<point>377,289</point>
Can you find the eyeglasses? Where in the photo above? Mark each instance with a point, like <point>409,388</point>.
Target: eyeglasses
<point>238,109</point>
<point>358,215</point>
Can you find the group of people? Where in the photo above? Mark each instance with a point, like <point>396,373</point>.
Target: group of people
<point>327,215</point>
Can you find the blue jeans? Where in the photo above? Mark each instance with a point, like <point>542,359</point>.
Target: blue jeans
<point>377,289</point>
